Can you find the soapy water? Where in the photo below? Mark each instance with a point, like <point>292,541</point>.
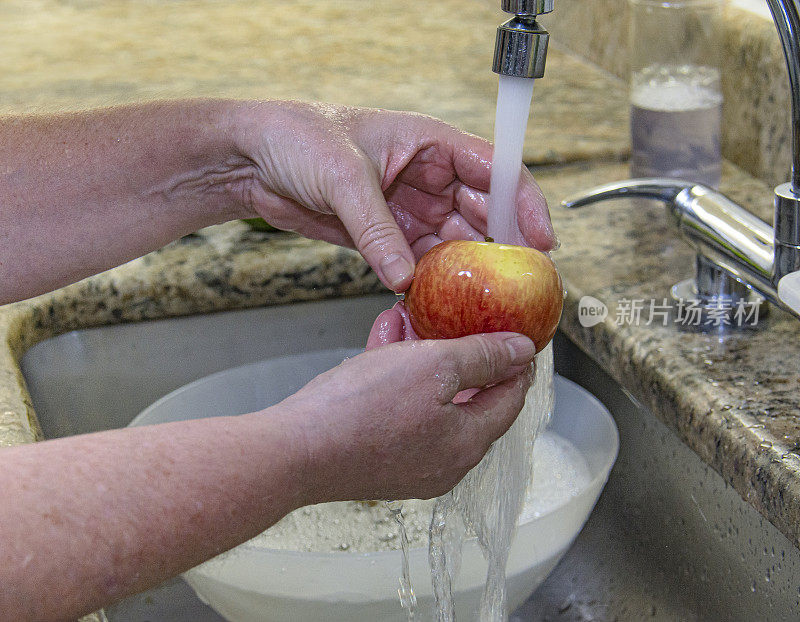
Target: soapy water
<point>488,503</point>
<point>560,472</point>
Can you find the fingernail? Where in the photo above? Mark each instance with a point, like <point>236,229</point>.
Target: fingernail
<point>521,349</point>
<point>396,269</point>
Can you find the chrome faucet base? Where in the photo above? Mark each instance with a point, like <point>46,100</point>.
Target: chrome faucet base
<point>735,251</point>
<point>721,314</point>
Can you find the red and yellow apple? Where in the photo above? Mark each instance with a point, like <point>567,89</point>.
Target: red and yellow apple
<point>462,288</point>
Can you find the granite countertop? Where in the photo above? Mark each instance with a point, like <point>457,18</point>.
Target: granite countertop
<point>430,57</point>
<point>736,401</point>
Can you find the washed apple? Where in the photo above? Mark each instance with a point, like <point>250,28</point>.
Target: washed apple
<point>463,288</point>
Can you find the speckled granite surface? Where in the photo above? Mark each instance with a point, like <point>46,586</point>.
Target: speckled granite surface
<point>431,57</point>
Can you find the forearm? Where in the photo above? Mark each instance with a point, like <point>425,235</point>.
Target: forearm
<point>83,192</point>
<point>87,520</point>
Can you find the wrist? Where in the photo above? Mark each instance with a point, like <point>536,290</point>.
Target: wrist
<point>212,173</point>
<point>314,452</point>
<point>255,127</point>
<point>285,444</point>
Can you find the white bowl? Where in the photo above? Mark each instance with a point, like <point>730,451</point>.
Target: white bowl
<point>254,584</point>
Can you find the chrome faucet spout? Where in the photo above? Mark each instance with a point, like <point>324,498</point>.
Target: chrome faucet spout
<point>786,15</point>
<point>665,190</point>
<point>521,46</point>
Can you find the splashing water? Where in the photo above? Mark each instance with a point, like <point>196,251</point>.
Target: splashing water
<point>490,498</point>
<point>408,599</point>
<point>511,118</point>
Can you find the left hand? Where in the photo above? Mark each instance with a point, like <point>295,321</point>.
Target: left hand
<point>391,184</point>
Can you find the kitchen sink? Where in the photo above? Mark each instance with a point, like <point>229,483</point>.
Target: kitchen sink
<point>668,540</point>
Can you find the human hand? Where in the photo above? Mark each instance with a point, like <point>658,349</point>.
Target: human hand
<point>391,184</point>
<point>383,424</point>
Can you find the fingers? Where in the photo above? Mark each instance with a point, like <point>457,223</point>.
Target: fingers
<point>481,360</point>
<point>387,328</point>
<point>471,159</point>
<point>533,216</point>
<point>409,334</point>
<point>357,198</point>
<point>391,326</point>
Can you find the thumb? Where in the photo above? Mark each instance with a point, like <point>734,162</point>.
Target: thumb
<point>359,203</point>
<point>486,359</point>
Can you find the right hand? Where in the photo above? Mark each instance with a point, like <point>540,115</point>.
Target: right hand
<point>383,424</point>
<point>391,184</point>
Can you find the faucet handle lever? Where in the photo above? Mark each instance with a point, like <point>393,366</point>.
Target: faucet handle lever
<point>661,189</point>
